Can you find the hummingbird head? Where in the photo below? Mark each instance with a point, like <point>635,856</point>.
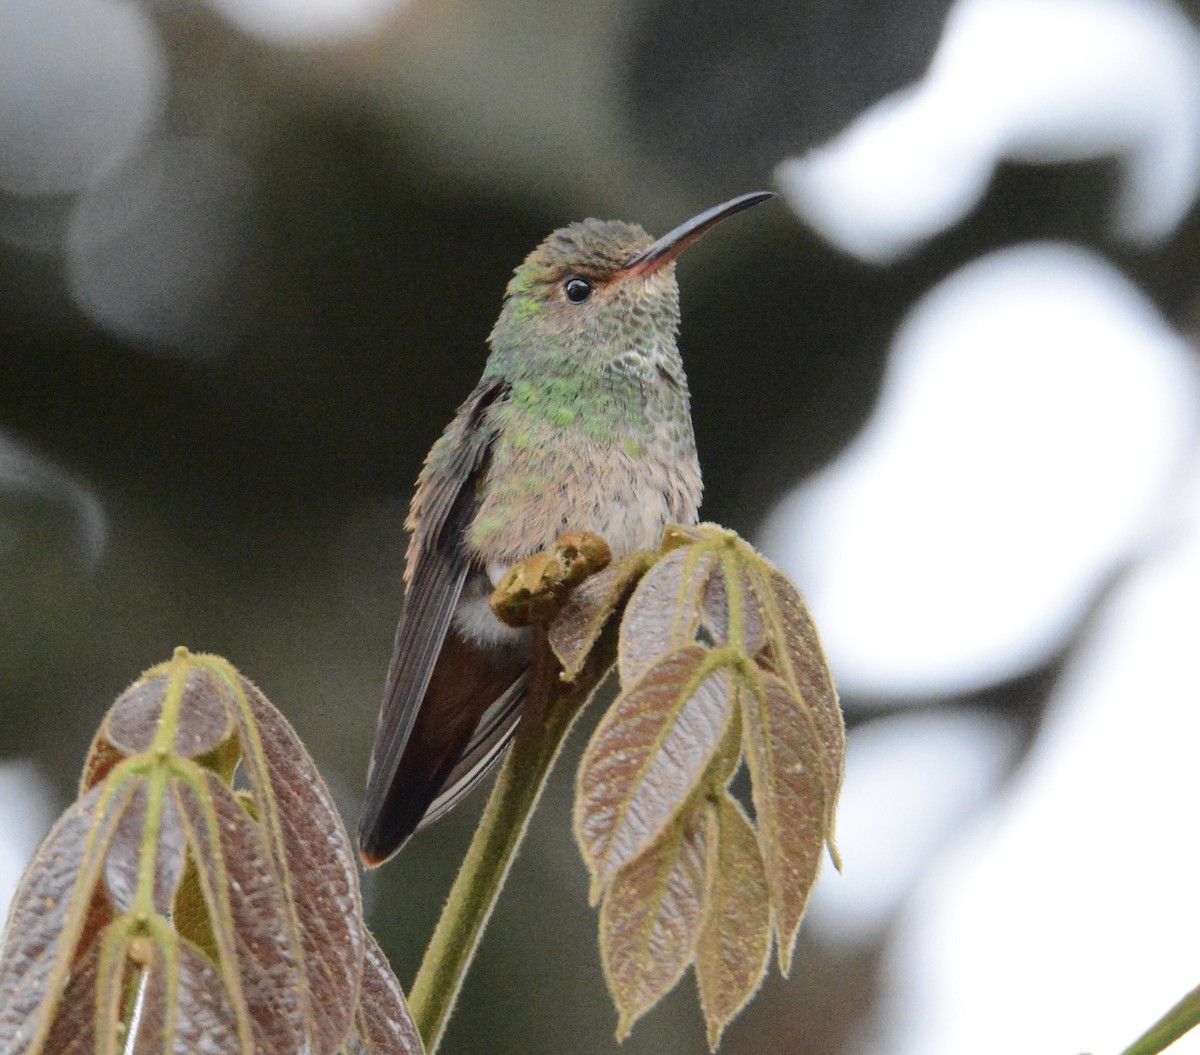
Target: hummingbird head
<point>602,287</point>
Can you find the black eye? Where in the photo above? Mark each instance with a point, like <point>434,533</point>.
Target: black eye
<point>577,289</point>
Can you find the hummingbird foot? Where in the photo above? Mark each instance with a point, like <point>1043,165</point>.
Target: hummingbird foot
<point>534,591</point>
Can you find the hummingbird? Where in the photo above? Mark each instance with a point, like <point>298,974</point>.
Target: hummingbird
<point>580,422</point>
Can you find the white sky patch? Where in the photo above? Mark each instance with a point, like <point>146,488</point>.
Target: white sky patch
<point>1035,414</point>
<point>1031,80</point>
<point>1068,920</point>
<point>911,780</point>
<point>81,84</point>
<point>309,22</point>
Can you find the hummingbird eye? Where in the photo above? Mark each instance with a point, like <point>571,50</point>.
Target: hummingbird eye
<point>577,289</point>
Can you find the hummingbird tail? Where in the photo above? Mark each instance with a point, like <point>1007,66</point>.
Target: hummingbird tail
<point>466,719</point>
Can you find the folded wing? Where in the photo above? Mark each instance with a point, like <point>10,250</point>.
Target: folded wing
<point>450,705</point>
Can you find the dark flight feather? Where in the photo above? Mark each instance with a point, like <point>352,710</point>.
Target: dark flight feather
<point>449,705</point>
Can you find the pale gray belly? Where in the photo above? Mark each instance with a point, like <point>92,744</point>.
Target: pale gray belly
<point>626,500</point>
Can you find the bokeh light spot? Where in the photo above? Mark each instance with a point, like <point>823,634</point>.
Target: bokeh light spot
<point>308,22</point>
<point>1066,919</point>
<point>912,780</point>
<point>1036,410</point>
<point>160,253</point>
<point>1042,81</point>
<point>81,82</point>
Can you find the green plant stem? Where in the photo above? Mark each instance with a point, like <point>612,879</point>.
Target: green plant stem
<point>1183,1017</point>
<point>550,709</point>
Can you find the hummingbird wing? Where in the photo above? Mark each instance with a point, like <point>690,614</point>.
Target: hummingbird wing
<point>467,717</point>
<point>442,693</point>
<point>484,749</point>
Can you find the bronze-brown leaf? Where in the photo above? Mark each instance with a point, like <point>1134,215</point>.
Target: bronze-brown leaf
<point>583,618</point>
<point>797,653</point>
<point>787,780</point>
<point>188,1013</point>
<point>382,1024</point>
<point>203,710</point>
<point>717,599</point>
<point>735,936</point>
<point>268,889</point>
<point>664,610</point>
<point>311,851</point>
<point>201,714</point>
<point>246,907</point>
<point>74,1029</point>
<point>647,756</point>
<point>713,614</point>
<point>122,866</point>
<point>651,917</point>
<point>132,722</point>
<point>45,931</point>
<point>102,756</point>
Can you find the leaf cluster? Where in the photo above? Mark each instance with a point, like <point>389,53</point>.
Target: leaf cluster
<point>719,664</point>
<point>168,912</point>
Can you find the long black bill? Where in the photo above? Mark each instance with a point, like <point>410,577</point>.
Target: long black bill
<point>671,244</point>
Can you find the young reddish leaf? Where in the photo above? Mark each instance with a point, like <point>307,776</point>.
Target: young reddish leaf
<point>786,774</point>
<point>131,725</point>
<point>48,915</point>
<point>800,663</point>
<point>311,854</point>
<point>205,714</point>
<point>99,915</point>
<point>132,722</point>
<point>647,756</point>
<point>819,703</point>
<point>382,1024</point>
<point>204,710</point>
<point>583,618</point>
<point>762,689</point>
<point>735,937</point>
<point>73,1031</point>
<point>185,1007</point>
<point>102,756</point>
<point>726,758</point>
<point>664,610</point>
<point>271,892</point>
<point>715,606</point>
<point>244,897</point>
<point>122,866</point>
<point>650,919</point>
<point>100,994</point>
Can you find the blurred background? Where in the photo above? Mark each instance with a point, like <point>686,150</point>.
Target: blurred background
<point>250,251</point>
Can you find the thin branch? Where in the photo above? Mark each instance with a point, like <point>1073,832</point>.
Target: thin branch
<point>1182,1018</point>
<point>550,709</point>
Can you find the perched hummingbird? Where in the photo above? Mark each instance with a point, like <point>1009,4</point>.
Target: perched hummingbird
<point>581,422</point>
